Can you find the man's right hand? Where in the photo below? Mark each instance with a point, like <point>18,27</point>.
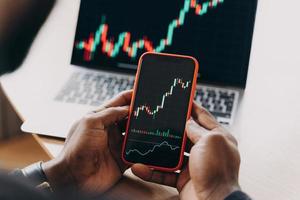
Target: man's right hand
<point>214,159</point>
<point>213,167</point>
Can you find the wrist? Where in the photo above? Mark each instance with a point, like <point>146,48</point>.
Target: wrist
<point>58,175</point>
<point>34,173</point>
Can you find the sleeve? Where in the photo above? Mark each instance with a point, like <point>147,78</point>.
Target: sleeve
<point>15,186</point>
<point>238,195</point>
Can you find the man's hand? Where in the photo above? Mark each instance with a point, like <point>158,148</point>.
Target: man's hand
<point>213,167</point>
<point>91,158</point>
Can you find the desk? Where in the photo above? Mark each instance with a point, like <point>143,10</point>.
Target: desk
<point>267,125</point>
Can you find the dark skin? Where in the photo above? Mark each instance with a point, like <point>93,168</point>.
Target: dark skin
<point>91,158</point>
<point>90,161</point>
<point>212,170</point>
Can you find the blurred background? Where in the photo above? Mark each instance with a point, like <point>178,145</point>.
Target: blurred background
<point>267,122</point>
<point>20,21</point>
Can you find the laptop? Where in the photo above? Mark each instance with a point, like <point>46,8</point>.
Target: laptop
<point>111,35</point>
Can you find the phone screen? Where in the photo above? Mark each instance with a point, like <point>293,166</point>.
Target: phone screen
<point>155,133</point>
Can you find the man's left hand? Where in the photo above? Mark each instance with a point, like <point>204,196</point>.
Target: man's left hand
<point>91,158</point>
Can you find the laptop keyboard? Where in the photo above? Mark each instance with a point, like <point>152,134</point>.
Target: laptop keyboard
<point>220,102</point>
<point>90,88</point>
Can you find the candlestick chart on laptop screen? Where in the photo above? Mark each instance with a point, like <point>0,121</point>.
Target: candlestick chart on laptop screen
<point>112,35</point>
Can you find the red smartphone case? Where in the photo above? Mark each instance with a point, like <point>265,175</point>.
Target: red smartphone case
<point>187,117</point>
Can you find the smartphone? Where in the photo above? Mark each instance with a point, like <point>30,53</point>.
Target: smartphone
<point>161,104</point>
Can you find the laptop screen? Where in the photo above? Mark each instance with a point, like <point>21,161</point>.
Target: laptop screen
<point>112,35</point>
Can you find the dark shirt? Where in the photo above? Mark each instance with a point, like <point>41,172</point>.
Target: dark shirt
<point>238,195</point>
<point>16,187</point>
<point>13,188</point>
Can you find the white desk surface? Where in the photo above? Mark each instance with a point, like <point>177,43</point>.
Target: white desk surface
<point>268,122</point>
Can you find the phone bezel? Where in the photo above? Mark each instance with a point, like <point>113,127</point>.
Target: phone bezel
<point>196,69</point>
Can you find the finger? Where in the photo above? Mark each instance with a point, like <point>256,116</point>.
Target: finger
<point>122,99</point>
<point>72,130</point>
<point>222,130</point>
<point>194,131</point>
<point>147,174</point>
<point>107,117</point>
<point>203,117</point>
<point>115,145</point>
<point>183,178</point>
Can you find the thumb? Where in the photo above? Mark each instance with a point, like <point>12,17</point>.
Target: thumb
<point>194,131</point>
<point>111,115</point>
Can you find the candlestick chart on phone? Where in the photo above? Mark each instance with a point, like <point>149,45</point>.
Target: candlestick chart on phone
<point>151,113</point>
